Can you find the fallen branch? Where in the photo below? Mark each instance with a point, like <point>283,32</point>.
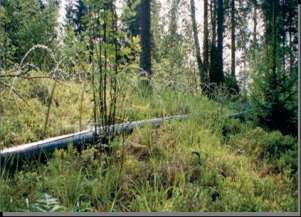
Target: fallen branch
<point>45,148</point>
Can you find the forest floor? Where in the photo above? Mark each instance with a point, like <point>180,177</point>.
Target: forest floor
<point>205,163</point>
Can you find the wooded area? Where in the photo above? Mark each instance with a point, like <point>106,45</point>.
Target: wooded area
<point>71,65</point>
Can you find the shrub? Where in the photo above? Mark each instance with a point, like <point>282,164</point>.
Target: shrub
<point>281,151</point>
<point>274,147</point>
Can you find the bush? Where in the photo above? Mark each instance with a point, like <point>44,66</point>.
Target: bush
<point>277,149</point>
<point>275,144</point>
<point>281,151</point>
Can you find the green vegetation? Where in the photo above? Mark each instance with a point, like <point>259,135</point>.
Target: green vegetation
<point>106,64</point>
<point>206,163</point>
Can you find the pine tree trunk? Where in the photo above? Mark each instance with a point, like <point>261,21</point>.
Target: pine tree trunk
<point>145,25</point>
<point>233,47</point>
<point>220,39</point>
<point>290,27</point>
<point>206,40</point>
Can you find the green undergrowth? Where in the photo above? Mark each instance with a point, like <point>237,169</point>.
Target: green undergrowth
<point>23,116</point>
<point>23,113</point>
<point>204,163</point>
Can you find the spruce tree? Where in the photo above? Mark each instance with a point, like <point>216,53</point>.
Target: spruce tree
<point>274,91</point>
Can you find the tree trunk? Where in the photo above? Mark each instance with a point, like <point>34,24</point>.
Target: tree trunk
<point>290,52</point>
<point>283,32</point>
<point>145,28</point>
<point>255,25</point>
<point>233,47</point>
<point>213,62</point>
<point>274,42</point>
<point>196,42</point>
<point>220,40</point>
<point>291,47</point>
<point>299,50</point>
<point>206,40</point>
